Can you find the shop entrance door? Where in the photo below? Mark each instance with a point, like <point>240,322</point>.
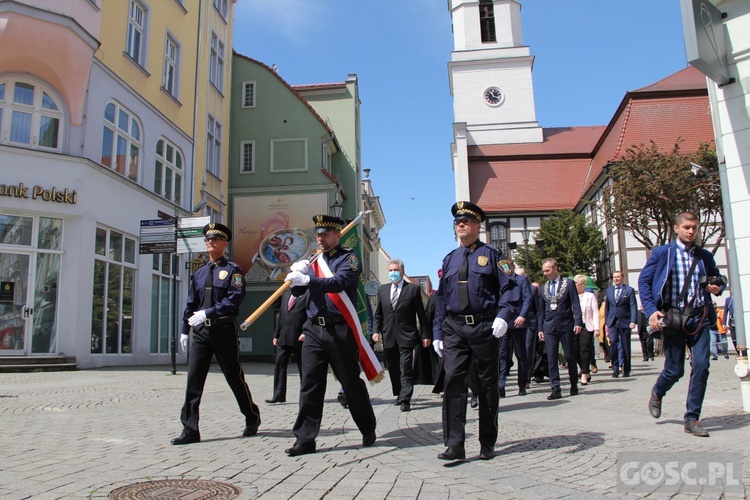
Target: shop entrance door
<point>15,306</point>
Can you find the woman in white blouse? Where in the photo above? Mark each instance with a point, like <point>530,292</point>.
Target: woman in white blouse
<point>584,340</point>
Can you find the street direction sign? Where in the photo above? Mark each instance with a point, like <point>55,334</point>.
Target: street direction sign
<point>190,237</point>
<point>157,236</point>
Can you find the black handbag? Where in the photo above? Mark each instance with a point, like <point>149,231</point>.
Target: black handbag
<point>675,319</point>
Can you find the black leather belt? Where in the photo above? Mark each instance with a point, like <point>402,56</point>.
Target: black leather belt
<point>327,320</point>
<point>224,320</point>
<point>471,319</point>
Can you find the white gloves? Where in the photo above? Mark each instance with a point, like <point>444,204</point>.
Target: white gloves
<point>297,278</point>
<point>197,318</point>
<point>183,342</point>
<point>499,327</point>
<point>301,266</point>
<point>438,346</point>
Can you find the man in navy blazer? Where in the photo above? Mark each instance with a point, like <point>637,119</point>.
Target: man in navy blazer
<point>660,285</point>
<point>398,309</point>
<point>621,313</point>
<point>559,320</point>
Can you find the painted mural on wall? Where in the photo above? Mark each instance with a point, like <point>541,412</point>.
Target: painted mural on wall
<point>272,232</point>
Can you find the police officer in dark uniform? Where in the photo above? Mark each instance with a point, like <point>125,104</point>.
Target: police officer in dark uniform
<point>217,291</point>
<point>472,313</point>
<point>328,339</point>
<point>520,300</point>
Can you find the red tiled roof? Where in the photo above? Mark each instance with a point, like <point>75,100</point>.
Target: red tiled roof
<point>569,141</point>
<point>527,185</point>
<point>511,178</point>
<point>686,79</point>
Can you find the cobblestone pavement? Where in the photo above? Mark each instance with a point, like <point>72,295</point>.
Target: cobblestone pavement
<point>83,434</point>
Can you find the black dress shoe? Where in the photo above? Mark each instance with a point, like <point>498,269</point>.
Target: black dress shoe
<point>695,428</point>
<point>341,398</point>
<point>369,439</point>
<point>276,400</point>
<point>522,391</point>
<point>453,453</point>
<point>250,430</point>
<point>654,405</point>
<point>502,392</point>
<point>557,394</point>
<point>474,401</point>
<point>487,453</point>
<point>405,407</point>
<point>300,449</point>
<point>615,374</point>
<point>396,403</point>
<point>574,390</point>
<point>187,438</point>
<point>626,375</point>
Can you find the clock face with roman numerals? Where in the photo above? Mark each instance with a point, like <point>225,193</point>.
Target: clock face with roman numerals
<point>494,96</point>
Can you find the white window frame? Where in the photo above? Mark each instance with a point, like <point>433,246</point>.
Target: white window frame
<point>249,89</point>
<point>131,141</point>
<point>222,6</point>
<point>37,112</point>
<point>244,167</point>
<point>167,164</point>
<point>137,9</point>
<point>110,260</point>
<point>213,146</point>
<point>172,59</point>
<point>286,170</point>
<point>216,63</point>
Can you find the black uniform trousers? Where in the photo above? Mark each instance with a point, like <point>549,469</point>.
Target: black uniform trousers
<point>516,337</point>
<point>552,342</point>
<point>335,345</point>
<point>283,355</point>
<point>464,343</point>
<point>222,341</point>
<point>400,370</point>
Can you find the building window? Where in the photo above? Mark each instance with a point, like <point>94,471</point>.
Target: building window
<point>114,285</point>
<point>216,64</point>
<point>222,6</point>
<point>121,141</point>
<point>247,154</point>
<point>499,237</point>
<point>248,94</point>
<point>213,147</point>
<point>168,171</point>
<point>163,294</point>
<point>487,21</point>
<point>136,42</point>
<point>171,77</point>
<point>29,116</point>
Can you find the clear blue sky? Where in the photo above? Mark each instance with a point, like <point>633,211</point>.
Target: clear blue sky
<point>588,53</point>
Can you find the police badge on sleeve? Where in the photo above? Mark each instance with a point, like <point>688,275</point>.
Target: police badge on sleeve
<point>238,280</point>
<point>504,266</point>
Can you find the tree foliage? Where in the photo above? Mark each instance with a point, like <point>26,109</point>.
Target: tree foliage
<point>569,238</point>
<point>650,187</point>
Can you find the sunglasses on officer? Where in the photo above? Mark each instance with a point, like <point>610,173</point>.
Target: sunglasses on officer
<point>463,220</point>
<point>215,238</point>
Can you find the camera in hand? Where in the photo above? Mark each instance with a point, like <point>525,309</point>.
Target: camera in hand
<point>713,280</point>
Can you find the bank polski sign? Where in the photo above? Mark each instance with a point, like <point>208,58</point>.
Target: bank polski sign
<point>50,194</point>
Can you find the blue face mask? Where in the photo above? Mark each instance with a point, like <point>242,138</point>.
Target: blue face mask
<point>394,276</point>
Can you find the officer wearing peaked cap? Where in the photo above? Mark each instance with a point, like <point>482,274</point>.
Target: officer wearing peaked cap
<point>329,340</point>
<point>471,315</point>
<point>217,291</point>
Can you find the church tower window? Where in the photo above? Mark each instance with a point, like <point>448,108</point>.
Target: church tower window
<point>487,21</point>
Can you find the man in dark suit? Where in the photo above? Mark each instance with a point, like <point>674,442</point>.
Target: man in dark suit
<point>398,309</point>
<point>532,326</point>
<point>621,313</point>
<point>288,339</point>
<point>559,320</point>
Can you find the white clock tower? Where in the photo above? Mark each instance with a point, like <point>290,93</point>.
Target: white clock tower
<point>490,79</point>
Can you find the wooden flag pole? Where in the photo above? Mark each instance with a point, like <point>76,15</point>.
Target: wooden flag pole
<point>288,284</point>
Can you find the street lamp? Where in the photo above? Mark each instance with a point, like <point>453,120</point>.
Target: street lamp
<point>337,209</point>
<point>526,235</point>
